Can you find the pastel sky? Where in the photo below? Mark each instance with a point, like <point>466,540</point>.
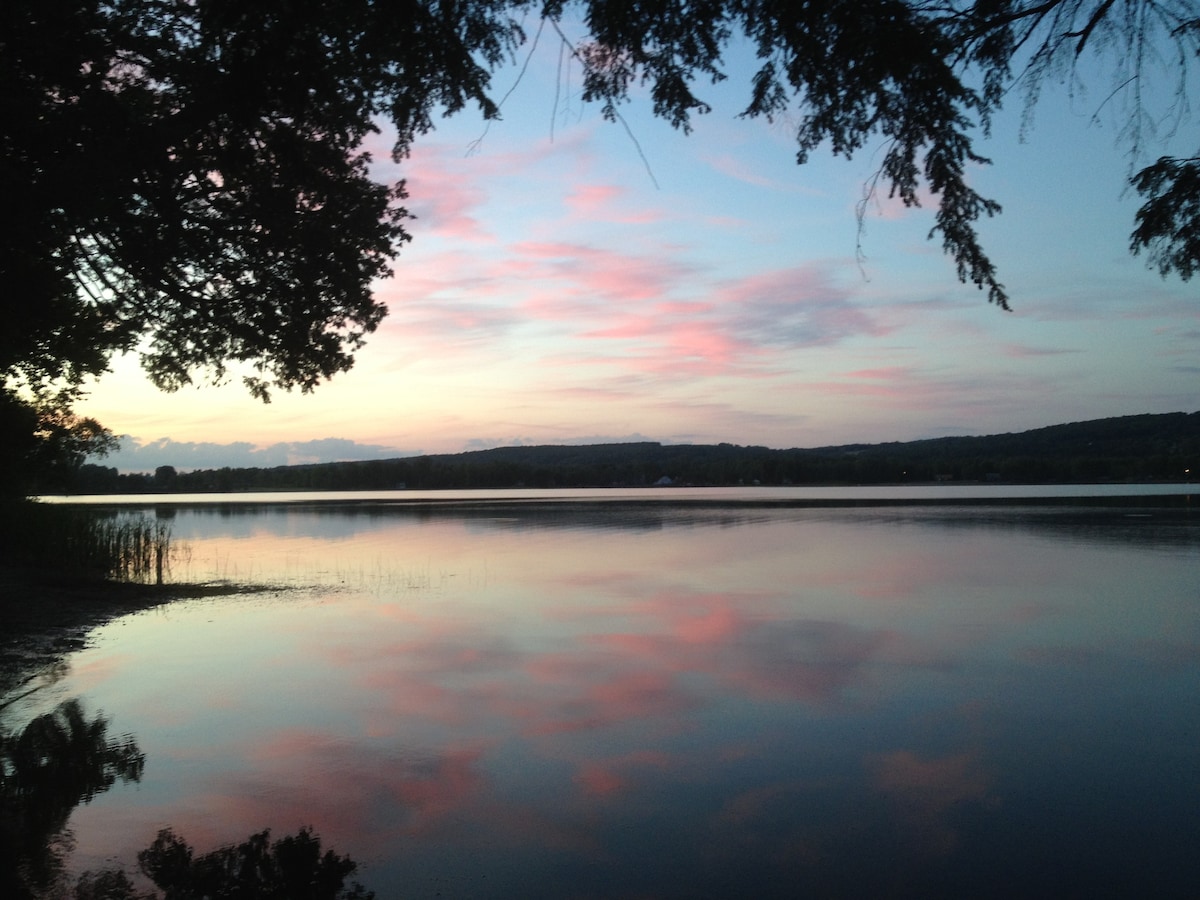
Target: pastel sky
<point>578,281</point>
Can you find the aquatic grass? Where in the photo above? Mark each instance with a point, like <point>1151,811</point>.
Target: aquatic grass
<point>116,546</point>
<point>128,548</point>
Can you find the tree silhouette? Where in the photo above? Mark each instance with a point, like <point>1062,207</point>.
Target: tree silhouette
<point>1168,224</point>
<point>188,177</point>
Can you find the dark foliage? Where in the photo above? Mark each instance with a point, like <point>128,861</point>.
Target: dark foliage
<point>44,444</point>
<point>1168,224</point>
<point>188,176</point>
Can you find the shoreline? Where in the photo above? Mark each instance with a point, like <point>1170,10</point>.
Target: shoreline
<point>44,617</point>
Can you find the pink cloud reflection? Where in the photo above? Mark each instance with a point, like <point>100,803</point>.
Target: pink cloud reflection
<point>924,792</point>
<point>354,795</point>
<point>614,775</point>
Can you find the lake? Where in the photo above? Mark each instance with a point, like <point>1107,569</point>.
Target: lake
<point>672,694</point>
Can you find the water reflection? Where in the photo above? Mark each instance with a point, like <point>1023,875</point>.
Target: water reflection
<point>1168,522</point>
<point>56,762</point>
<point>716,702</point>
<point>63,759</point>
<point>289,868</point>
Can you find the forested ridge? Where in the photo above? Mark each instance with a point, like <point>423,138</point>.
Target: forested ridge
<point>1163,447</point>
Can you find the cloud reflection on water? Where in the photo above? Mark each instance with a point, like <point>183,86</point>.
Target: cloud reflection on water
<point>734,704</point>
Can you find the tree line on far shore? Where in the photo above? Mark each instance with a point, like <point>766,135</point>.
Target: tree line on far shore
<point>1162,447</point>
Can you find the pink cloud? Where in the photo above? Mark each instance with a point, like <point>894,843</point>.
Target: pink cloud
<point>961,396</point>
<point>937,782</point>
<point>738,169</point>
<point>443,196</point>
<point>650,311</point>
<point>606,203</point>
<point>588,198</point>
<point>711,627</point>
<point>94,671</point>
<point>1021,351</point>
<point>686,350</point>
<point>883,373</point>
<point>812,661</point>
<point>752,805</point>
<point>639,306</point>
<point>794,307</point>
<point>630,695</point>
<point>599,781</point>
<point>596,274</point>
<point>448,185</point>
<point>699,618</point>
<point>925,792</point>
<point>432,793</point>
<point>450,301</point>
<point>752,330</point>
<point>603,778</point>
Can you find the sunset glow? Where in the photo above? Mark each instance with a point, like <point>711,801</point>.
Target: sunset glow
<point>559,289</point>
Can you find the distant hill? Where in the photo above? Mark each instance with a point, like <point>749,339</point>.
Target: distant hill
<point>1129,448</point>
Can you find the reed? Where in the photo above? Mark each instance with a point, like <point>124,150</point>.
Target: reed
<point>117,546</point>
<point>128,548</point>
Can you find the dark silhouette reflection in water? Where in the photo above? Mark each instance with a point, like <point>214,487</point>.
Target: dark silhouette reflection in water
<point>63,759</point>
<point>290,868</point>
<point>58,761</point>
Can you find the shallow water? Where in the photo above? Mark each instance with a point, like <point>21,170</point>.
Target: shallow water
<point>582,699</point>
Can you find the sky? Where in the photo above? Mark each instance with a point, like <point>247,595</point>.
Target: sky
<point>572,280</point>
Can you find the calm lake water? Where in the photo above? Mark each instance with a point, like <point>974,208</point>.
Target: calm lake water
<point>672,698</point>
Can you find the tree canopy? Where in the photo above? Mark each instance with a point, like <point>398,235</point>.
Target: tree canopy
<point>186,179</point>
